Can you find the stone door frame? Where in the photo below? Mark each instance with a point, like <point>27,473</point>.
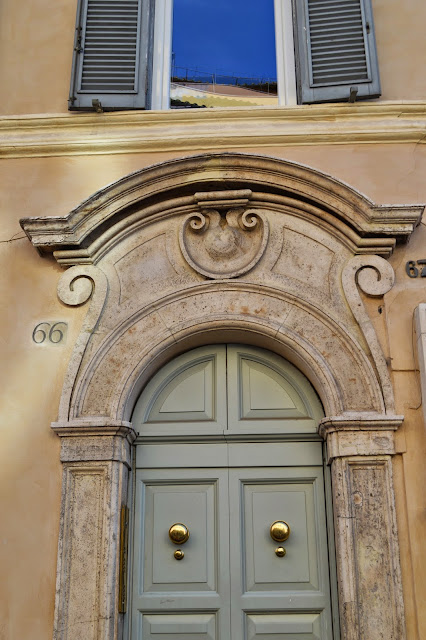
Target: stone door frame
<point>113,362</point>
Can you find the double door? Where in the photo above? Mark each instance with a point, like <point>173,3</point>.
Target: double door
<point>230,580</point>
<point>217,489</point>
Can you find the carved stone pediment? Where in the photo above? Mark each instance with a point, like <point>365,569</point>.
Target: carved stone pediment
<point>225,238</point>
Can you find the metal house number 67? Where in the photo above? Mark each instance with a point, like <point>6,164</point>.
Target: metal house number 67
<point>412,271</point>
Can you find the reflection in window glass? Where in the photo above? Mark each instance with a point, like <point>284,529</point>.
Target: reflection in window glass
<point>223,53</point>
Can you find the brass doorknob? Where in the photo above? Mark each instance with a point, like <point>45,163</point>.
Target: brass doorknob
<point>279,531</point>
<point>178,533</point>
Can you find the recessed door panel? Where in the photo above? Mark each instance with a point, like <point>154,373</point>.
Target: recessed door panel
<point>200,626</point>
<point>185,397</point>
<point>290,502</point>
<point>268,394</point>
<point>194,505</point>
<point>287,626</point>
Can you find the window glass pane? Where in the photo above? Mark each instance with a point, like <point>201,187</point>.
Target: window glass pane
<point>223,53</point>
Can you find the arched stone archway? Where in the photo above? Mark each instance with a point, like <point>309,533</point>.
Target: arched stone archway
<point>216,248</point>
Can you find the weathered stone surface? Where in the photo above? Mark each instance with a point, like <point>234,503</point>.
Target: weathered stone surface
<point>93,490</point>
<point>369,576</point>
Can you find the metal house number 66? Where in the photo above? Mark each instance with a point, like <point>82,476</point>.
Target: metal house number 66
<point>49,332</point>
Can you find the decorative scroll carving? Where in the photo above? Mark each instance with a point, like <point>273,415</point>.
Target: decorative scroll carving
<point>75,287</point>
<point>224,244</point>
<point>375,277</point>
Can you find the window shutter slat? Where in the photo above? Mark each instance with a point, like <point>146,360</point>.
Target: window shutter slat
<point>111,54</point>
<point>335,50</point>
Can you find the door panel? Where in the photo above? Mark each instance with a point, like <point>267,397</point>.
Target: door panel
<point>268,394</point>
<point>262,582</point>
<point>182,456</point>
<point>278,454</point>
<point>263,504</point>
<point>186,396</point>
<point>194,505</point>
<point>164,627</point>
<point>287,626</point>
<point>198,584</point>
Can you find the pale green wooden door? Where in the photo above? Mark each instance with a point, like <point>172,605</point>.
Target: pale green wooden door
<point>228,446</point>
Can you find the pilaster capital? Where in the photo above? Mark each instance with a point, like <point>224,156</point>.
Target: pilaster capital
<point>359,435</point>
<point>88,439</point>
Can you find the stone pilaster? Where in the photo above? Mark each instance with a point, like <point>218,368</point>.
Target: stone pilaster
<point>369,575</point>
<point>96,462</point>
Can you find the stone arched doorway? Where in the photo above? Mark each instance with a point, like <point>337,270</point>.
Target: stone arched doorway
<point>226,248</point>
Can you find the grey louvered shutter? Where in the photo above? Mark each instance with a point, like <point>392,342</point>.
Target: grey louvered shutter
<point>112,54</point>
<point>335,50</point>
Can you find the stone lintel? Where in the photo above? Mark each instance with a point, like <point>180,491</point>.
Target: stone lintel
<point>95,440</point>
<point>359,435</point>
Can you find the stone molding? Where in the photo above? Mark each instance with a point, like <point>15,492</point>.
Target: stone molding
<point>89,440</point>
<point>96,226</point>
<point>71,134</point>
<point>359,450</point>
<point>345,381</point>
<point>359,435</point>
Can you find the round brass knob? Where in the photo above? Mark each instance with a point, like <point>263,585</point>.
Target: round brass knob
<point>178,554</point>
<point>178,533</point>
<point>279,531</point>
<point>280,552</point>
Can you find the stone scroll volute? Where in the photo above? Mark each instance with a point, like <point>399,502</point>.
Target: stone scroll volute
<point>225,238</point>
<point>76,286</point>
<point>375,277</point>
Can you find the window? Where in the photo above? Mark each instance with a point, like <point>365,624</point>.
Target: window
<point>223,53</point>
<point>325,51</point>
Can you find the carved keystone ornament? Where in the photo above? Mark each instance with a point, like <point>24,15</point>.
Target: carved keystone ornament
<point>221,241</point>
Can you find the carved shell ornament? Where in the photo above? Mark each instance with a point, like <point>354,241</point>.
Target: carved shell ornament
<point>224,244</point>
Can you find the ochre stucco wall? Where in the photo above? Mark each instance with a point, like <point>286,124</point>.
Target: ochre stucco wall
<point>32,375</point>
<point>37,39</point>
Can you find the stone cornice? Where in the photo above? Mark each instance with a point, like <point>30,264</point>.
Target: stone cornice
<point>86,234</point>
<point>94,427</point>
<point>71,134</point>
<point>360,434</point>
<point>359,422</point>
<point>95,439</point>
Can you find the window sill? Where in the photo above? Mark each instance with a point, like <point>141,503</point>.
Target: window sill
<point>192,130</point>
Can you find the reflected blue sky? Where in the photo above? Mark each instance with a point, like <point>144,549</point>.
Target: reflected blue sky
<point>230,37</point>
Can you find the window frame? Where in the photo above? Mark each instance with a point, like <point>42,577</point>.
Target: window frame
<point>162,54</point>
